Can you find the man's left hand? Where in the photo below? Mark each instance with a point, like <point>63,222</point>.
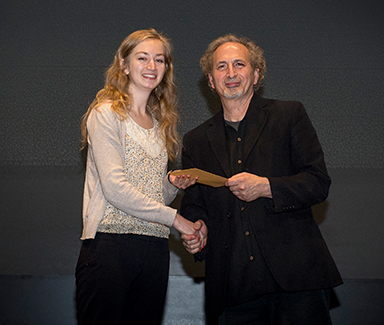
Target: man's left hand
<point>249,187</point>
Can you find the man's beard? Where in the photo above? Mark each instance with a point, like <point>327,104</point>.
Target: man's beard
<point>233,94</point>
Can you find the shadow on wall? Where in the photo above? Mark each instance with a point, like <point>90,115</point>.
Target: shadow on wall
<point>320,212</point>
<point>212,99</point>
<point>190,268</point>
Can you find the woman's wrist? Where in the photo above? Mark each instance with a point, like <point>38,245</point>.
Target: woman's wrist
<point>169,174</point>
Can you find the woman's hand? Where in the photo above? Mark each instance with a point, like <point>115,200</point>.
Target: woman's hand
<point>194,235</point>
<point>184,226</point>
<point>195,243</point>
<point>182,181</point>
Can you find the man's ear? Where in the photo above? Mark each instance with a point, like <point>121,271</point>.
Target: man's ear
<point>211,81</point>
<point>256,76</point>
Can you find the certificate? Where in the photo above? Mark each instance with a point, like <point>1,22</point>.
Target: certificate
<point>203,177</point>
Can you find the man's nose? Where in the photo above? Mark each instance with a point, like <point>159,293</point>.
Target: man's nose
<point>231,71</point>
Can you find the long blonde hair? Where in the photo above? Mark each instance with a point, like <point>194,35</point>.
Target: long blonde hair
<point>162,100</point>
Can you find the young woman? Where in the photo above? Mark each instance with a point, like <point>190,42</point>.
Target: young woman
<point>130,133</point>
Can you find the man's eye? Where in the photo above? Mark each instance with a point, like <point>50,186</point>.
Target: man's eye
<point>221,67</point>
<point>240,65</point>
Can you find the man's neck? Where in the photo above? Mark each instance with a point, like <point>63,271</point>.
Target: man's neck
<point>235,109</point>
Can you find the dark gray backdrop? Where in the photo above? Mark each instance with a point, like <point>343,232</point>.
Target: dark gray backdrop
<point>327,54</point>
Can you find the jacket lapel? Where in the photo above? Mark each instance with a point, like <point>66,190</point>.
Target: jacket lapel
<point>257,114</point>
<point>217,138</point>
<point>256,119</point>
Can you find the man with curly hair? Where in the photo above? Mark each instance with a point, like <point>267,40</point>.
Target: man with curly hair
<point>266,260</point>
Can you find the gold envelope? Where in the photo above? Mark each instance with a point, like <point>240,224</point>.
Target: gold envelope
<point>203,176</point>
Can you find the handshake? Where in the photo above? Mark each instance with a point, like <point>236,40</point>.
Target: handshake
<point>194,235</point>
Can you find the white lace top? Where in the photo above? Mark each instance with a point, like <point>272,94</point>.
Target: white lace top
<point>145,162</point>
<point>106,177</point>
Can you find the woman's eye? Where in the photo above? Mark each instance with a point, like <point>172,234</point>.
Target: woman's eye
<point>160,61</point>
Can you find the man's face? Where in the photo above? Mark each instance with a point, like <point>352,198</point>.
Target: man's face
<point>232,75</point>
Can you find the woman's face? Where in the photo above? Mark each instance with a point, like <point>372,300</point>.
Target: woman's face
<point>146,66</point>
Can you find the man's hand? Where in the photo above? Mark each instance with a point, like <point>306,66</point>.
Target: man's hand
<point>249,187</point>
<point>196,242</point>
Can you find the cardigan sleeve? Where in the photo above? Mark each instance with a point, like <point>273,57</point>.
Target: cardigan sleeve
<point>169,191</point>
<point>107,152</point>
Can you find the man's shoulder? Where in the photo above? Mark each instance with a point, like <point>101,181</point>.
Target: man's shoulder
<point>201,128</point>
<point>281,108</point>
<point>278,103</point>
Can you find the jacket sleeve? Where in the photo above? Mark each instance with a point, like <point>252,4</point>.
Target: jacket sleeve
<point>104,140</point>
<point>192,204</point>
<point>308,184</point>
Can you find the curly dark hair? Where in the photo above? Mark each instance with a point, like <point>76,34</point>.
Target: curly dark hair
<point>257,57</point>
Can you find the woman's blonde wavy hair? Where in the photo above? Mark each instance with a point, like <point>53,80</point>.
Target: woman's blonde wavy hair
<point>162,100</point>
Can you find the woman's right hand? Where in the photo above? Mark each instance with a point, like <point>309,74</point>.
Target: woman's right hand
<point>184,226</point>
<point>194,235</point>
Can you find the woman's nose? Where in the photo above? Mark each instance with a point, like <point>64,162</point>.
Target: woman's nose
<point>151,64</point>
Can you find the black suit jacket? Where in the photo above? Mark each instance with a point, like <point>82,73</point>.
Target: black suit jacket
<point>280,144</point>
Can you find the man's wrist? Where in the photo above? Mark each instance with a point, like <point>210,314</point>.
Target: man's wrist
<point>267,188</point>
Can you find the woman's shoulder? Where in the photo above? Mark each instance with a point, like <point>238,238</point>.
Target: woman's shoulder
<point>104,111</point>
<point>105,114</point>
<point>104,108</point>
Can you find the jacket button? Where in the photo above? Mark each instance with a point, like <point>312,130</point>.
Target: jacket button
<point>229,215</point>
<point>226,246</point>
<point>247,233</point>
<point>251,258</point>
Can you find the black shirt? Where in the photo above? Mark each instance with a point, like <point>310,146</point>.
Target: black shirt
<point>241,283</point>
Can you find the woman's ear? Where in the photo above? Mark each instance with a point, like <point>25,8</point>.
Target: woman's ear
<point>126,71</point>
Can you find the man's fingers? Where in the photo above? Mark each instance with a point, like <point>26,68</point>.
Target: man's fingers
<point>197,225</point>
<point>192,248</point>
<point>187,237</point>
